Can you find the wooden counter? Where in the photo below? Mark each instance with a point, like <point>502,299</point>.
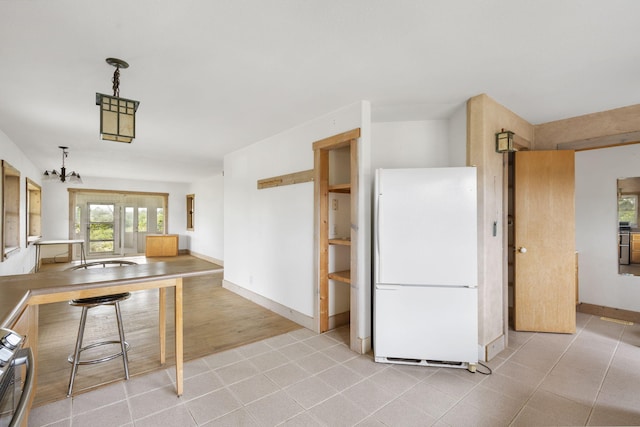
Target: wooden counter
<point>24,292</point>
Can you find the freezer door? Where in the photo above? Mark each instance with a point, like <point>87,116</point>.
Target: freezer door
<point>426,226</point>
<point>426,323</point>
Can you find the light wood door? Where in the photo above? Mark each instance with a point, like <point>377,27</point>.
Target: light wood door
<point>545,280</point>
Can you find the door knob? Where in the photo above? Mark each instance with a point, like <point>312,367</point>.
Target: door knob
<point>522,250</point>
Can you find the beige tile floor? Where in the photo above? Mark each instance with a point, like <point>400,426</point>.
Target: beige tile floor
<point>303,379</point>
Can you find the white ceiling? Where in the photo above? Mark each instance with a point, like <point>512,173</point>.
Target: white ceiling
<point>213,76</point>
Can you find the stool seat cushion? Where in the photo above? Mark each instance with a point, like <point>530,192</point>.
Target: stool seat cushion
<point>102,299</point>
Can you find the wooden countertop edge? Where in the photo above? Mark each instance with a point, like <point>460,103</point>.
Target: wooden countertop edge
<point>45,294</point>
<point>13,316</point>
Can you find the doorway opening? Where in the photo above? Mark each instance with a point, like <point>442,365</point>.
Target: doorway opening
<point>115,223</point>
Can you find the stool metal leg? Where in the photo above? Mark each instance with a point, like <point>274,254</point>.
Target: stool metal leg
<point>123,344</point>
<point>76,354</point>
<point>75,358</point>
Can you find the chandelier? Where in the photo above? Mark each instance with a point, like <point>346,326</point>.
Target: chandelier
<point>117,115</point>
<point>54,175</point>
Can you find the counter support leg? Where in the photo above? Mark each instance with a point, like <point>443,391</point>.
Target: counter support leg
<point>179,336</point>
<point>162,323</point>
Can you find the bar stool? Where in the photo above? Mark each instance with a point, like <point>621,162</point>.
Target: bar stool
<point>86,304</point>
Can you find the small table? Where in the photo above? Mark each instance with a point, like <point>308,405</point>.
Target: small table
<point>39,243</point>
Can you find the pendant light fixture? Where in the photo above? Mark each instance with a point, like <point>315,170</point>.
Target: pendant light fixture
<point>117,115</point>
<point>62,176</point>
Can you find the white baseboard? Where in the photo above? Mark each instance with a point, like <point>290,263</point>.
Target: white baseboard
<point>206,258</point>
<point>364,345</point>
<point>492,349</point>
<point>278,308</point>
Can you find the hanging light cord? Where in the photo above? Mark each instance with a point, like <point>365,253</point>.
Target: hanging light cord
<point>116,82</point>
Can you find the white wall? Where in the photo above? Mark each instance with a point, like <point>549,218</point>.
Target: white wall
<point>457,128</point>
<point>596,226</point>
<point>420,144</point>
<point>207,238</point>
<point>269,234</point>
<point>23,260</point>
<point>414,144</point>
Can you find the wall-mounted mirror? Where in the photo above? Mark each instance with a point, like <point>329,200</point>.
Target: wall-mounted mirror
<point>628,228</point>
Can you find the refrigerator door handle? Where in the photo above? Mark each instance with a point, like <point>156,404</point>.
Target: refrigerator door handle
<point>377,236</point>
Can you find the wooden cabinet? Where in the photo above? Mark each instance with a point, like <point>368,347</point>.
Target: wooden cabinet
<point>635,248</point>
<point>26,325</point>
<point>161,245</point>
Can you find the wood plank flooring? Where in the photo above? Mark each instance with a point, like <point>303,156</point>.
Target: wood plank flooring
<point>215,319</point>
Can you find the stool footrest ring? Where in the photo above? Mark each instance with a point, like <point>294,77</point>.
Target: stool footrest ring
<point>102,359</point>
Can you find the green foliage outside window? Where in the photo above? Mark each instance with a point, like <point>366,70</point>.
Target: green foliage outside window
<point>628,208</point>
<point>142,219</point>
<point>160,220</point>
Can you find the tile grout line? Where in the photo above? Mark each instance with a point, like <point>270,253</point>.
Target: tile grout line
<point>549,371</point>
<point>606,372</point>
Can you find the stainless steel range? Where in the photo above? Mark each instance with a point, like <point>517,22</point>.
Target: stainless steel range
<point>16,379</point>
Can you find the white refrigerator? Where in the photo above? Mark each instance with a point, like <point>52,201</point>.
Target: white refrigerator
<point>425,308</point>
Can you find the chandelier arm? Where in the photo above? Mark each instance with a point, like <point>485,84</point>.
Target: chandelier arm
<point>62,175</point>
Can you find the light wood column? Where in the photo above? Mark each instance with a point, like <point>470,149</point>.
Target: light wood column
<point>179,336</point>
<point>162,323</point>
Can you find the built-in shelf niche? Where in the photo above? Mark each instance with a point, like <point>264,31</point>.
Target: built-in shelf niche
<point>336,196</point>
<point>33,211</point>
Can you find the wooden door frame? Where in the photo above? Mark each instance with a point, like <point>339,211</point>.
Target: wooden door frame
<point>321,191</point>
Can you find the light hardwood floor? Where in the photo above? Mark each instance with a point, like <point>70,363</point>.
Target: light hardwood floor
<point>215,319</point>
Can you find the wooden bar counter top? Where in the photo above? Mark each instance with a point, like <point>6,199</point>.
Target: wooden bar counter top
<point>22,293</point>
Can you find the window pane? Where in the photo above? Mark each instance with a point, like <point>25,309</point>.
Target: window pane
<point>76,220</point>
<point>628,208</point>
<point>100,231</point>
<point>101,213</point>
<point>160,220</point>
<point>101,247</point>
<point>128,220</point>
<point>142,219</point>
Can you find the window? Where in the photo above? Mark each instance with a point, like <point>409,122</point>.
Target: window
<point>191,206</point>
<point>128,219</point>
<point>142,220</point>
<point>10,209</point>
<point>628,209</point>
<point>101,228</point>
<point>34,211</point>
<point>76,220</point>
<point>160,220</point>
<point>135,214</point>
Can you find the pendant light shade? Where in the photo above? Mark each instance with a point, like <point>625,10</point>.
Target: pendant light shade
<point>117,115</point>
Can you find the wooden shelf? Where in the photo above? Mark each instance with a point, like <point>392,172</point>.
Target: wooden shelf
<point>340,188</point>
<point>341,276</point>
<point>340,241</point>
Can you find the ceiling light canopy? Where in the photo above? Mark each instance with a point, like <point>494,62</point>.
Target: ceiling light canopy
<point>117,115</point>
<point>62,176</point>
